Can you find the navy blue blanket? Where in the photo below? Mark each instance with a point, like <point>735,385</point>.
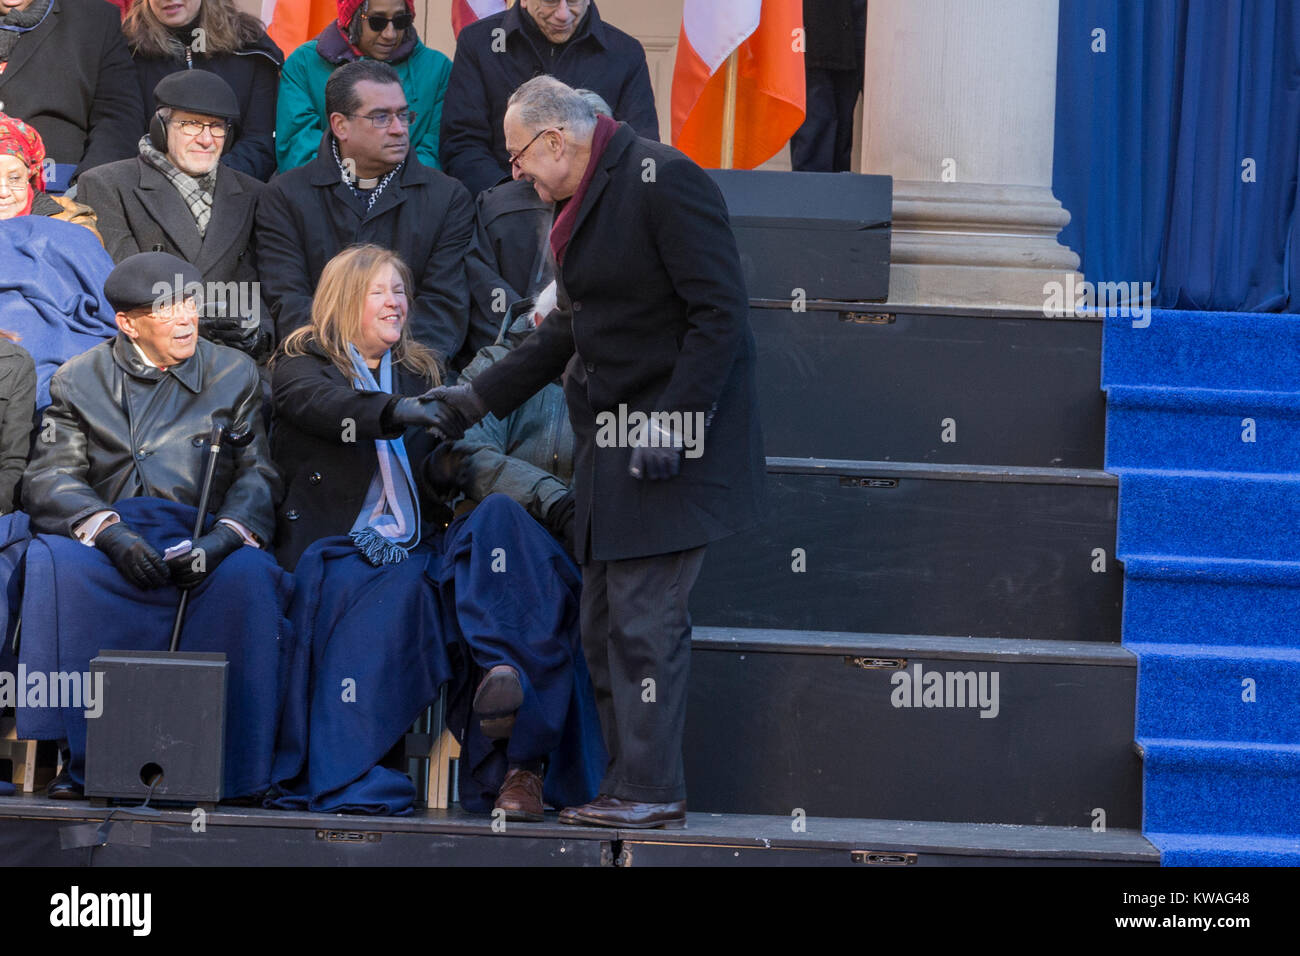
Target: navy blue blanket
<point>76,604</point>
<point>376,645</point>
<point>14,536</point>
<point>52,292</point>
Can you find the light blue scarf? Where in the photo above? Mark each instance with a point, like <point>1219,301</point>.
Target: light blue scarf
<point>388,525</point>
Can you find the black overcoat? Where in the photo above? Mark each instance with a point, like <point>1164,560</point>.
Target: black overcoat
<point>323,441</point>
<point>308,215</point>
<point>598,57</point>
<point>654,316</point>
<point>72,78</point>
<point>138,210</point>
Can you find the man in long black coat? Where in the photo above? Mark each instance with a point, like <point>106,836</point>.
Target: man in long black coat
<point>652,318</point>
<point>70,75</point>
<point>494,55</point>
<point>366,185</point>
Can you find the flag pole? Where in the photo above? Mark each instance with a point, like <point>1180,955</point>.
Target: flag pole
<point>729,112</point>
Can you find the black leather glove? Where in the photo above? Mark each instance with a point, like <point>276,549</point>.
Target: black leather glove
<point>559,520</point>
<point>252,340</point>
<point>410,411</point>
<point>446,470</point>
<point>457,407</point>
<point>207,551</point>
<point>133,556</point>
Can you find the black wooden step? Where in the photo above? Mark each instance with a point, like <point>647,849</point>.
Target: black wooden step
<point>783,721</point>
<point>35,831</point>
<point>855,382</point>
<point>908,548</point>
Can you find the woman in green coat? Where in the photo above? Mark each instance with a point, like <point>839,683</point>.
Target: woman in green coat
<point>375,29</point>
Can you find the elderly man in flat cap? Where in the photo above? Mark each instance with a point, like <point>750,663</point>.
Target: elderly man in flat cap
<point>177,197</point>
<point>112,489</point>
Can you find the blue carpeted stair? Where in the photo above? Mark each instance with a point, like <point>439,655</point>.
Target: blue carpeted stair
<point>1203,428</point>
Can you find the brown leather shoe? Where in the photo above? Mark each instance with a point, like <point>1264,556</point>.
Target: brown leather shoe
<point>498,697</point>
<point>607,811</point>
<point>521,797</point>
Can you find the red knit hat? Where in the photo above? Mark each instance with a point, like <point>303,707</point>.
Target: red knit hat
<point>349,8</point>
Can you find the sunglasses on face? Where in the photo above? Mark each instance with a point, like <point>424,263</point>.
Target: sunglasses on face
<point>380,23</point>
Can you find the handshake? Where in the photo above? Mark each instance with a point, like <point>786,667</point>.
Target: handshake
<point>446,411</point>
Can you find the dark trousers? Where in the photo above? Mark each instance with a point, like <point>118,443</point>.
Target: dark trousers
<point>824,143</point>
<point>636,633</point>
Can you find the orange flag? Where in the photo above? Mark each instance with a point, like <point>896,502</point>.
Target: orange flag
<point>294,22</point>
<point>769,83</point>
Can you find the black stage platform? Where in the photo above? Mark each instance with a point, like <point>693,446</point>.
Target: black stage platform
<point>35,831</point>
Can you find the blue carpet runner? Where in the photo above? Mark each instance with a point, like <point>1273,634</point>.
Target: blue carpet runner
<point>1203,430</point>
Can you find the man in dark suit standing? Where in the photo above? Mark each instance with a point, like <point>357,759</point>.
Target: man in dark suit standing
<point>652,324</point>
<point>177,197</point>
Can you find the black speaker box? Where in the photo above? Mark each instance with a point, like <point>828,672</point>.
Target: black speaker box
<point>163,713</point>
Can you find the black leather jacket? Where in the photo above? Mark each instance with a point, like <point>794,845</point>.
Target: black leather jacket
<point>117,428</point>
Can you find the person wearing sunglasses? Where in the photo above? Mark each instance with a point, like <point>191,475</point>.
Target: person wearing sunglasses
<point>381,30</point>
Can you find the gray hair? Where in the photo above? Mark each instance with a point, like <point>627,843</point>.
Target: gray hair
<point>596,102</point>
<point>544,101</point>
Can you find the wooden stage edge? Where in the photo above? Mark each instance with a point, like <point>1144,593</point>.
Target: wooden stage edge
<point>41,832</point>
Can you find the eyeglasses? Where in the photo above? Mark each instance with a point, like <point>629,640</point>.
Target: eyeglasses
<point>515,157</point>
<point>218,128</point>
<point>169,313</point>
<point>380,23</point>
<point>382,120</point>
<point>548,5</point>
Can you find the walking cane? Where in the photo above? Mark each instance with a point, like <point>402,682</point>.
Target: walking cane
<point>235,440</point>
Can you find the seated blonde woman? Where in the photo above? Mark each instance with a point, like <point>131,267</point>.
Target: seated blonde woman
<point>390,603</point>
<point>22,179</point>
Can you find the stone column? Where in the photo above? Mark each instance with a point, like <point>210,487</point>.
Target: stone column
<point>959,107</point>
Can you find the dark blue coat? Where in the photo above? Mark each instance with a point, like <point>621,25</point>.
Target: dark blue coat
<point>598,57</point>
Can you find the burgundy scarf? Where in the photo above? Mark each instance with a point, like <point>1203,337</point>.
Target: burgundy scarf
<point>562,231</point>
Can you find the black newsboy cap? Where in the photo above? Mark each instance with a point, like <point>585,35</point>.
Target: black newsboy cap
<point>198,91</point>
<point>147,278</point>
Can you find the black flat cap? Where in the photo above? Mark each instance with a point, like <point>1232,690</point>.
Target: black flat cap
<point>150,277</point>
<point>198,91</point>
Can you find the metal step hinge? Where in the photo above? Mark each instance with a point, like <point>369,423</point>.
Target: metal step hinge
<point>882,858</point>
<point>356,837</point>
<point>877,663</point>
<point>846,482</point>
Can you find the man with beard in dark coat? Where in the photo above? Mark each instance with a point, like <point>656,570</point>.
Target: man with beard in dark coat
<point>652,324</point>
<point>67,72</point>
<point>365,186</point>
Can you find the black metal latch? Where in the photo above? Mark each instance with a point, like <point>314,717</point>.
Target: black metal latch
<point>877,663</point>
<point>882,858</point>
